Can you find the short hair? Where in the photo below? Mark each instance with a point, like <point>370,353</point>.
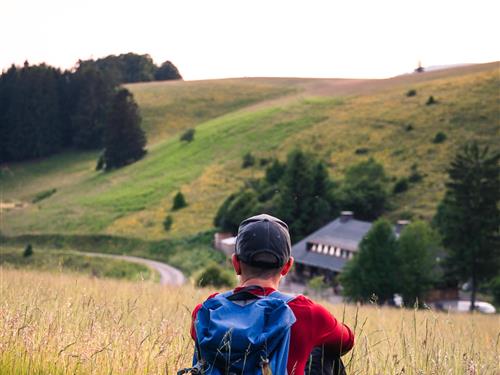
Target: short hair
<point>261,272</point>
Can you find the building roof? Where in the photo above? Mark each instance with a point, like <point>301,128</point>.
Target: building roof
<point>346,234</point>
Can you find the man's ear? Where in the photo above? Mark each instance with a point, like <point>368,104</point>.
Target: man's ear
<point>287,267</point>
<point>236,264</point>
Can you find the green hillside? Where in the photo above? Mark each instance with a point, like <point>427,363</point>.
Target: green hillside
<point>341,121</point>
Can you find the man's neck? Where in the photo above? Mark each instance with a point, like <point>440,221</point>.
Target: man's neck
<point>265,283</point>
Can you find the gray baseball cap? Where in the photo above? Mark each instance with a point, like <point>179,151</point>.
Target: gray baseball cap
<point>263,234</point>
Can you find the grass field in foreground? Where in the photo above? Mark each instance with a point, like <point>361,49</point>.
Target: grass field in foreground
<point>57,324</point>
<point>395,129</point>
<point>66,261</point>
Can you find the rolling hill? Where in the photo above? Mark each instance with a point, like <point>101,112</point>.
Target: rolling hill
<point>341,121</point>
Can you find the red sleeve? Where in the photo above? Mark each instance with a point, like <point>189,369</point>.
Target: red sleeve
<point>193,316</point>
<point>336,336</point>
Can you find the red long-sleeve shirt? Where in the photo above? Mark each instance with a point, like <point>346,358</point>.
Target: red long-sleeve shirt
<point>314,326</point>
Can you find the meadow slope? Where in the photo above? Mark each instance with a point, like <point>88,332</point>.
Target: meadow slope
<point>341,121</point>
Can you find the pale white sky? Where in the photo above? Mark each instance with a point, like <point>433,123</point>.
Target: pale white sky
<point>236,38</point>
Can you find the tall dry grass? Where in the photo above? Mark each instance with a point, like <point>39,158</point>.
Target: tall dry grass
<point>60,324</point>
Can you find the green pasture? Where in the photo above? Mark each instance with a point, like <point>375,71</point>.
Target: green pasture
<point>170,107</point>
<point>189,254</point>
<point>67,261</point>
<point>233,117</point>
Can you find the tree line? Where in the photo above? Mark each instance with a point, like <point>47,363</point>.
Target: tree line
<point>44,110</point>
<point>463,247</point>
<point>301,192</point>
<point>460,246</point>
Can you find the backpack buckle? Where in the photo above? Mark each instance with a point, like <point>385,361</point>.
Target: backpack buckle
<point>195,370</point>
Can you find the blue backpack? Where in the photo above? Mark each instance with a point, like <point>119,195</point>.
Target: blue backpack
<point>242,333</point>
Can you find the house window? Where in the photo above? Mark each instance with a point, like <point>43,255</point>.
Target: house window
<point>325,249</point>
<point>332,250</point>
<point>337,253</point>
<point>314,247</point>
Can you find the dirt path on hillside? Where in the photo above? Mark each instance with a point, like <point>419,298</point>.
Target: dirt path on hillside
<point>311,87</point>
<point>168,275</point>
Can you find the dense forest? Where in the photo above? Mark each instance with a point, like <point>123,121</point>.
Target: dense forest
<point>44,110</point>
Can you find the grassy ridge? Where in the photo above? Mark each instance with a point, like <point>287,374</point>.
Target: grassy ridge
<point>73,262</point>
<point>134,200</point>
<point>169,107</point>
<point>59,324</point>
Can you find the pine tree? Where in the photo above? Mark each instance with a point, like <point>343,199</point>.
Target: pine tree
<point>295,200</point>
<point>94,98</point>
<point>28,251</point>
<point>179,201</point>
<point>323,205</point>
<point>469,216</point>
<point>124,139</point>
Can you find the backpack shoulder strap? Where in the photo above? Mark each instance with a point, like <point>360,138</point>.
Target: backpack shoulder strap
<point>282,296</point>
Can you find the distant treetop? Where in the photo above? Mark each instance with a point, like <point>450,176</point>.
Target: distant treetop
<point>131,67</point>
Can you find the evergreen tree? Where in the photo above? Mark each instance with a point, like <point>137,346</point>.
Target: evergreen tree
<point>274,172</point>
<point>30,112</point>
<point>28,251</point>
<point>94,97</point>
<point>417,252</point>
<point>124,139</point>
<point>469,216</point>
<point>248,160</point>
<point>300,192</point>
<point>364,190</point>
<point>297,190</point>
<point>179,201</point>
<point>167,223</point>
<point>374,269</point>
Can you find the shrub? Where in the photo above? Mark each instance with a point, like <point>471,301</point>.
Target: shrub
<point>100,163</point>
<point>188,135</point>
<point>361,151</point>
<point>248,160</point>
<point>264,161</point>
<point>43,195</point>
<point>430,101</point>
<point>411,92</point>
<point>409,128</point>
<point>167,223</point>
<point>28,251</point>
<point>440,137</point>
<point>415,177</point>
<point>216,276</point>
<point>179,201</point>
<point>406,215</point>
<point>400,186</point>
<point>317,283</point>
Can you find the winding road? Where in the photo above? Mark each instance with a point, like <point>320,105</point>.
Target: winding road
<point>168,275</point>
